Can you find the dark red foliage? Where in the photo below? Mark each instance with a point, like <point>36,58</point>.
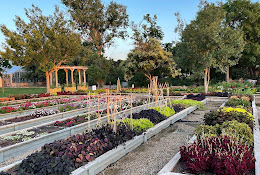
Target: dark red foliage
<point>198,97</point>
<point>220,155</point>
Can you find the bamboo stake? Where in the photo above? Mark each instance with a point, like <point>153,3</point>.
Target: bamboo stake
<point>108,100</point>
<point>131,111</point>
<point>89,112</point>
<point>115,109</point>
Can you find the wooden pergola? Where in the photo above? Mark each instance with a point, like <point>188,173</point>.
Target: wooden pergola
<point>66,69</point>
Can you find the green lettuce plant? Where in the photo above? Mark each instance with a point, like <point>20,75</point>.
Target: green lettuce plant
<point>189,102</point>
<point>165,111</point>
<point>139,124</point>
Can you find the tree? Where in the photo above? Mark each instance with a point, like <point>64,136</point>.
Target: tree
<point>98,24</point>
<point>207,42</point>
<point>95,75</point>
<point>4,64</point>
<point>46,41</point>
<point>148,53</point>
<point>245,15</point>
<point>230,48</point>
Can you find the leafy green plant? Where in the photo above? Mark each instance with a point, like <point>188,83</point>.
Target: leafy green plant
<point>240,131</point>
<point>139,125</point>
<point>219,117</point>
<point>189,102</point>
<point>165,111</point>
<point>237,102</point>
<point>151,114</point>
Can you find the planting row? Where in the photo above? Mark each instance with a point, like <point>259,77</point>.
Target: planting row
<point>64,156</point>
<point>224,144</point>
<point>20,136</point>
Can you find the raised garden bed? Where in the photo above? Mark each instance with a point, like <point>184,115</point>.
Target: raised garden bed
<point>176,166</point>
<point>19,148</point>
<point>111,156</point>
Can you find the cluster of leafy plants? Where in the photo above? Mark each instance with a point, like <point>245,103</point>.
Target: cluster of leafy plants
<point>198,97</point>
<point>165,111</point>
<point>219,155</point>
<point>218,94</point>
<point>220,116</point>
<point>232,102</point>
<point>189,102</point>
<point>36,114</point>
<point>70,93</point>
<point>139,125</point>
<point>151,114</point>
<point>64,156</point>
<point>8,109</point>
<point>240,131</point>
<point>177,107</point>
<point>29,96</point>
<point>74,121</point>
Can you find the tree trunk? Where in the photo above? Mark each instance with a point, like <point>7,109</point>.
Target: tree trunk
<point>227,75</point>
<point>47,82</point>
<point>206,79</point>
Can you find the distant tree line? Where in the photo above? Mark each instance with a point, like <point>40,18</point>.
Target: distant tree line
<point>222,41</point>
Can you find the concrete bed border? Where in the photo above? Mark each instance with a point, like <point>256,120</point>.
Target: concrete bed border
<point>168,168</point>
<point>10,115</point>
<point>115,154</point>
<point>17,149</point>
<point>8,129</point>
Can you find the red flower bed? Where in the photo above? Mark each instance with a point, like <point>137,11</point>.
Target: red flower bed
<point>219,155</point>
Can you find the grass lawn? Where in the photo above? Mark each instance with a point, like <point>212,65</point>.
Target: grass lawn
<point>13,91</point>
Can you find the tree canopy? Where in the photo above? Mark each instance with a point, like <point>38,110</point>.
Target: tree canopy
<point>207,42</point>
<point>148,54</point>
<point>45,41</point>
<point>99,25</point>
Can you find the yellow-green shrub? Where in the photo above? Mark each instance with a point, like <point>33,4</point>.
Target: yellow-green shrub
<point>165,111</point>
<point>139,124</point>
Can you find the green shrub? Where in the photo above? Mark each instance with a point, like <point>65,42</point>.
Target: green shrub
<point>189,102</point>
<point>139,124</point>
<point>240,131</point>
<point>165,111</point>
<point>207,130</point>
<point>219,117</point>
<point>233,102</point>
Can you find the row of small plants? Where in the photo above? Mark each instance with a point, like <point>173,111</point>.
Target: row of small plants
<point>28,96</point>
<point>30,105</point>
<point>58,125</point>
<point>64,156</point>
<point>197,97</point>
<point>68,107</point>
<point>224,144</point>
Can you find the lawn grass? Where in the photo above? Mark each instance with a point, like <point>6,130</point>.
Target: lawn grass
<point>13,91</point>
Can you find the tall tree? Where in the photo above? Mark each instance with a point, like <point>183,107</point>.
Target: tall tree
<point>245,15</point>
<point>46,41</point>
<point>207,42</point>
<point>148,53</point>
<point>98,25</point>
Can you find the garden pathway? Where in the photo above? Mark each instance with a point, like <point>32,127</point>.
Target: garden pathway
<point>150,158</point>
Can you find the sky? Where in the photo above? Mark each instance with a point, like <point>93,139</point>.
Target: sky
<point>136,9</point>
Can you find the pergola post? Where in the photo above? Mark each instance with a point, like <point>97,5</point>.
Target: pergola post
<point>51,78</point>
<point>56,76</point>
<point>72,81</point>
<point>67,77</point>
<point>84,73</point>
<point>79,76</point>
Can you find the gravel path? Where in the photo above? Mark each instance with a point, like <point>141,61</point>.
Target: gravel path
<point>149,158</point>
